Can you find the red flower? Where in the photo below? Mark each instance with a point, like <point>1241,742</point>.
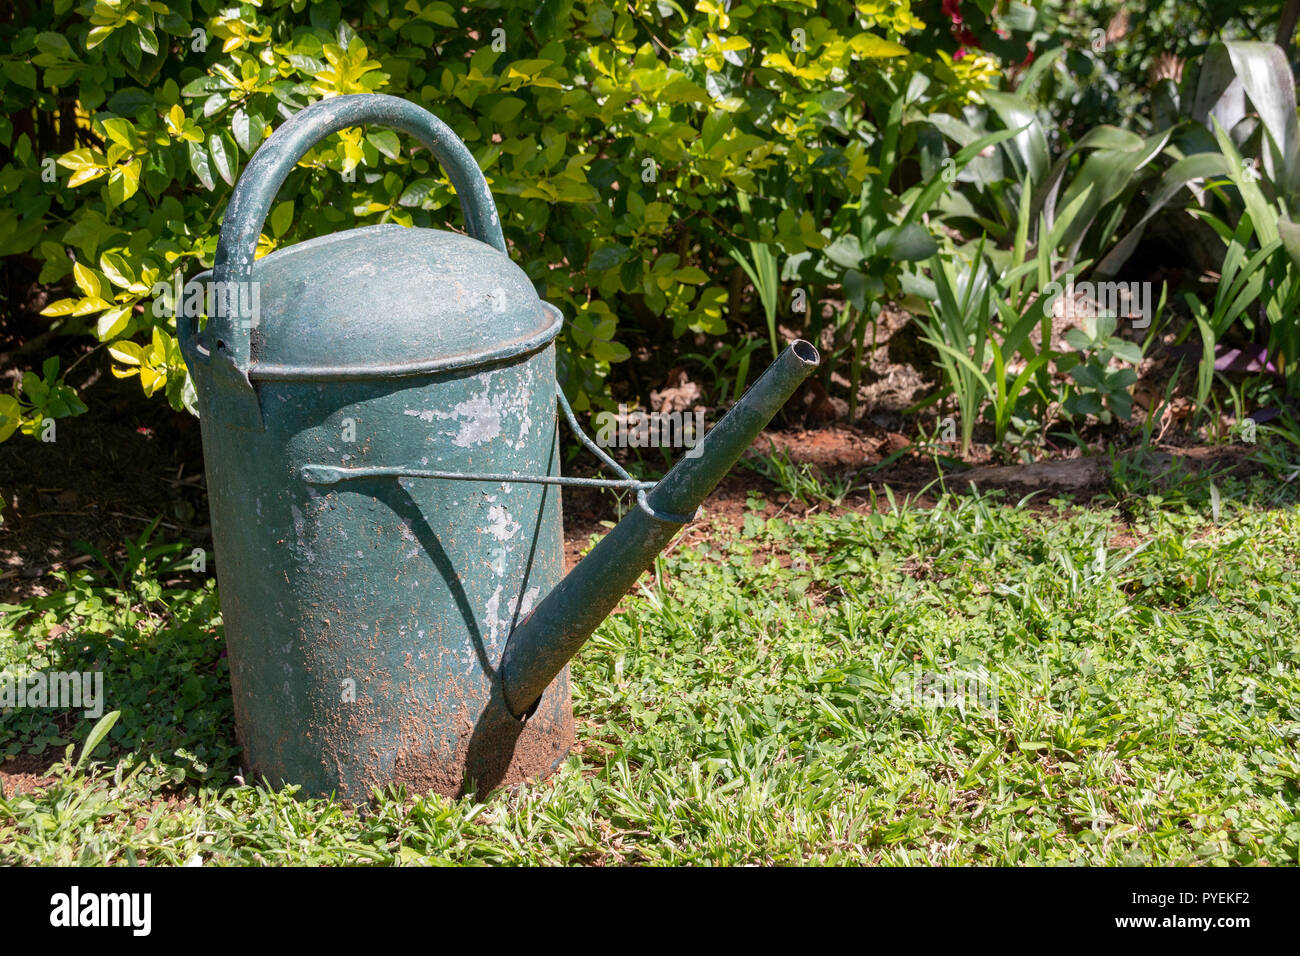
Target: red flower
<point>960,32</point>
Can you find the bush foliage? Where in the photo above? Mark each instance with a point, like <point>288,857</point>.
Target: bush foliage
<point>619,140</point>
<point>680,180</point>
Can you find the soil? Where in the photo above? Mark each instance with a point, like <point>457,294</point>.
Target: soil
<point>25,773</point>
<point>107,476</point>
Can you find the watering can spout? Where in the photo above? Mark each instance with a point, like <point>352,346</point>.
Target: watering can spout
<point>542,644</point>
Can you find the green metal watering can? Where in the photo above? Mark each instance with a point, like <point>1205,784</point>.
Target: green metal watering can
<point>381,439</point>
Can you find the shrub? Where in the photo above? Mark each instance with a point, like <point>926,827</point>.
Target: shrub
<point>619,139</point>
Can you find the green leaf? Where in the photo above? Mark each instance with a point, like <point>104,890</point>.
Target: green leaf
<point>61,307</point>
<point>123,182</point>
<point>1266,80</point>
<point>10,416</point>
<point>79,159</point>
<point>1205,370</point>
<point>416,193</point>
<point>1125,351</point>
<point>874,47</point>
<point>938,183</point>
<point>855,288</point>
<point>117,269</point>
<point>127,352</point>
<point>846,251</point>
<point>112,323</point>
<point>387,142</point>
<point>207,85</point>
<point>281,218</point>
<point>96,736</point>
<point>608,257</point>
<point>248,130</point>
<point>87,281</point>
<point>147,40</point>
<point>1028,148</point>
<point>1078,339</point>
<point>907,243</point>
<point>225,159</point>
<point>89,232</point>
<point>506,110</point>
<point>21,73</point>
<point>97,35</point>
<point>202,165</point>
<point>550,17</point>
<point>1289,232</point>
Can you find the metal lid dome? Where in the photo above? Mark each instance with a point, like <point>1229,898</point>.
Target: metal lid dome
<point>387,300</point>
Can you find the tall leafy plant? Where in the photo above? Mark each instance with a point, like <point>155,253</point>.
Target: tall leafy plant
<point>976,350</point>
<point>884,232</point>
<point>1108,165</point>
<point>761,267</point>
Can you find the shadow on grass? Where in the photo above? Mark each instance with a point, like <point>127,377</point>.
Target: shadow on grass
<point>160,656</point>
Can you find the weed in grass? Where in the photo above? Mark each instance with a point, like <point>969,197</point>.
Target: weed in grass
<point>800,480</point>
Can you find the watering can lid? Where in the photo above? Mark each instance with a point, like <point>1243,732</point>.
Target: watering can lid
<point>388,300</point>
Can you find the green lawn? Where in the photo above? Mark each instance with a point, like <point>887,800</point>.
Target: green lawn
<point>776,698</point>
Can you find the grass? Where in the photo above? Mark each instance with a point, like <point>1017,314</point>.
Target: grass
<point>751,703</point>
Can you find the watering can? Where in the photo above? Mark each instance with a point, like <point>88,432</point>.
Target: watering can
<point>381,441</point>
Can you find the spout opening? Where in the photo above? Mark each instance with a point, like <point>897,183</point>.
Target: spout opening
<point>806,352</point>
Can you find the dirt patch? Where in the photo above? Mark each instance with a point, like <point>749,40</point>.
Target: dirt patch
<point>27,773</point>
<point>834,449</point>
<point>900,369</point>
<point>1093,474</point>
<point>1077,475</point>
<point>105,477</point>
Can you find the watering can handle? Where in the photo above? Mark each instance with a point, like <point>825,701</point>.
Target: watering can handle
<point>267,170</point>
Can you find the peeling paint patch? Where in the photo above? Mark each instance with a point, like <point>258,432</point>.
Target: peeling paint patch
<point>517,607</point>
<point>503,527</point>
<point>480,421</point>
<point>490,616</point>
<point>486,417</point>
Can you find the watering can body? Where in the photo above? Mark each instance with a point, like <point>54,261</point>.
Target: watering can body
<point>380,437</point>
